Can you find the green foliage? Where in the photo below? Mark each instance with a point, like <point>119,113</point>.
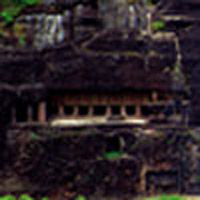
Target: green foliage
<point>7,15</point>
<point>34,135</point>
<point>10,9</point>
<point>25,197</point>
<point>21,197</point>
<point>113,155</point>
<point>80,197</point>
<point>8,197</point>
<point>166,197</point>
<point>29,2</point>
<point>158,25</point>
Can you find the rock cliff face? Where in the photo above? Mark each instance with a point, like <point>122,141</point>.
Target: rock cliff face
<point>109,60</point>
<point>191,50</point>
<point>189,40</point>
<point>112,161</point>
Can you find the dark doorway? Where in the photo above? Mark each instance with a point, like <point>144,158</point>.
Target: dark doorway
<point>83,110</point>
<point>116,110</point>
<point>99,110</point>
<point>52,110</point>
<point>113,143</point>
<point>130,110</point>
<point>68,110</point>
<point>21,112</point>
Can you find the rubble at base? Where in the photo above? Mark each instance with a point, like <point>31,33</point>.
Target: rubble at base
<point>126,161</point>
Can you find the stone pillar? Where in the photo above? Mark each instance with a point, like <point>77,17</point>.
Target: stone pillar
<point>108,111</point>
<point>138,111</point>
<point>42,112</point>
<point>30,113</point>
<point>75,114</point>
<point>13,115</point>
<point>123,111</point>
<point>91,110</point>
<point>61,111</point>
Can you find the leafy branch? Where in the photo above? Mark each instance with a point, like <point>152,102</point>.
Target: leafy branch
<point>10,9</point>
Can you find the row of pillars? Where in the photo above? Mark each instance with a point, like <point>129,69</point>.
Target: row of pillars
<point>42,111</point>
<point>61,111</point>
<point>41,114</point>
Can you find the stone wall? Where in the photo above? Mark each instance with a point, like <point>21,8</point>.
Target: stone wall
<point>112,161</point>
<point>191,50</point>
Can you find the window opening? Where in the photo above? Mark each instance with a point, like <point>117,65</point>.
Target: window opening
<point>21,112</point>
<point>52,110</point>
<point>146,110</point>
<point>68,110</point>
<point>116,110</point>
<point>130,110</point>
<point>35,111</point>
<point>8,114</point>
<point>83,110</point>
<point>99,110</point>
<point>113,144</point>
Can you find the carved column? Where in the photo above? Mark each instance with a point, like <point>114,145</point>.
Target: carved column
<point>42,112</point>
<point>91,110</point>
<point>61,110</point>
<point>138,111</point>
<point>30,113</point>
<point>108,111</point>
<point>13,115</point>
<point>75,114</point>
<point>123,111</point>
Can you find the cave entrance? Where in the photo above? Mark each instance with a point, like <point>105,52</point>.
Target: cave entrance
<point>113,144</point>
